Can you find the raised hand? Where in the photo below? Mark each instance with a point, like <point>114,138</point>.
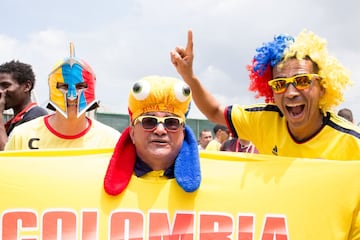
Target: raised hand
<point>2,100</point>
<point>182,58</point>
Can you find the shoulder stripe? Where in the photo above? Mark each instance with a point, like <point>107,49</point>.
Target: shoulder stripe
<point>340,128</point>
<point>266,108</point>
<point>230,124</point>
<point>251,108</point>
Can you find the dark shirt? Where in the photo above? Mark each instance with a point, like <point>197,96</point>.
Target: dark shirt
<point>31,112</point>
<point>141,168</point>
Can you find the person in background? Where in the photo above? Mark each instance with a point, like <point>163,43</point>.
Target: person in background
<point>158,145</point>
<point>205,137</point>
<point>221,133</point>
<point>347,114</point>
<point>301,84</point>
<point>72,94</point>
<point>238,145</point>
<point>17,80</point>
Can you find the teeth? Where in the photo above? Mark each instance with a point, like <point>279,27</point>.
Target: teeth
<point>293,105</point>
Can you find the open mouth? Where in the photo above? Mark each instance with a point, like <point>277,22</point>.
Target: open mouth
<point>295,110</point>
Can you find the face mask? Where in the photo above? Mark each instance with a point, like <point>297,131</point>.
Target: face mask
<point>72,79</point>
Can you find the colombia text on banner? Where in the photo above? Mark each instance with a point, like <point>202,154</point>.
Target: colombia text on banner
<point>59,195</point>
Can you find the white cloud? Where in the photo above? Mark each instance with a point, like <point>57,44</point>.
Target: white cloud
<point>126,40</point>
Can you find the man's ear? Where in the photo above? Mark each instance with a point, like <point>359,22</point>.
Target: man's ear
<point>28,85</point>
<point>322,90</point>
<point>131,132</point>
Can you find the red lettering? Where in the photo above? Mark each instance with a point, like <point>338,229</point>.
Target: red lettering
<point>169,108</point>
<point>16,221</point>
<point>151,108</point>
<point>89,223</point>
<point>246,227</point>
<point>159,227</point>
<point>275,228</point>
<point>131,225</point>
<point>60,224</point>
<point>127,225</point>
<point>215,227</point>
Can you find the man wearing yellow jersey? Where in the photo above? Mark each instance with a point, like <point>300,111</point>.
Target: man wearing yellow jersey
<point>72,94</point>
<point>301,83</point>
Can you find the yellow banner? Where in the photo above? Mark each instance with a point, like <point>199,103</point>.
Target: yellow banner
<point>59,195</point>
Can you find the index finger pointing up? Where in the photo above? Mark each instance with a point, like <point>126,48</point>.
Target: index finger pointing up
<point>189,45</point>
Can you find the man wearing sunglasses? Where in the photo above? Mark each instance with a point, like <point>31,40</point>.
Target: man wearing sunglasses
<point>301,84</point>
<point>72,94</point>
<point>158,145</point>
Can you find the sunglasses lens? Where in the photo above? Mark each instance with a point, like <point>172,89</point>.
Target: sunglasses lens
<point>302,82</point>
<point>172,124</point>
<point>278,86</point>
<point>149,122</point>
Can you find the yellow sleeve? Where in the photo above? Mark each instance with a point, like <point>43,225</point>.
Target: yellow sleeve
<point>213,146</point>
<point>11,143</point>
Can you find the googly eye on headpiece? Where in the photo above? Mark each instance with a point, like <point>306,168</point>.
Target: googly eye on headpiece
<point>72,79</point>
<point>155,93</point>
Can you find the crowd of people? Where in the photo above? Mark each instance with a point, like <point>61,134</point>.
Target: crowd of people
<point>223,141</point>
<point>300,81</point>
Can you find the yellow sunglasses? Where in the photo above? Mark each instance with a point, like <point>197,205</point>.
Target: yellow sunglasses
<point>300,82</point>
<point>149,123</point>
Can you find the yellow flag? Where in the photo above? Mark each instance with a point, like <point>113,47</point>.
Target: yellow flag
<point>59,195</point>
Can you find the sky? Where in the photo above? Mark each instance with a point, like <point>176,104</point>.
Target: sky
<point>126,40</point>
